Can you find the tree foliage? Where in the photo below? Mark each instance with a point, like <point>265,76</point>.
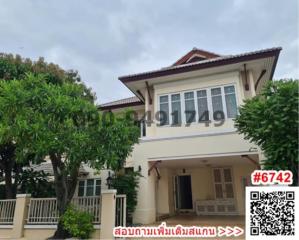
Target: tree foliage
<point>271,121</point>
<point>46,119</point>
<point>14,67</point>
<point>36,183</point>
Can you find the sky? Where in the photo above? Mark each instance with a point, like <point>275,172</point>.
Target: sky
<point>105,39</point>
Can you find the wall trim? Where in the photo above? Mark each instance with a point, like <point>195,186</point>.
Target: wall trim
<point>192,156</point>
<point>31,226</point>
<point>203,134</point>
<point>6,226</point>
<point>109,191</point>
<point>23,195</point>
<point>28,226</point>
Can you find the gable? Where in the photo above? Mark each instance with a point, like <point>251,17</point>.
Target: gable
<point>195,55</point>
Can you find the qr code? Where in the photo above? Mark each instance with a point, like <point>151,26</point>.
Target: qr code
<point>270,211</point>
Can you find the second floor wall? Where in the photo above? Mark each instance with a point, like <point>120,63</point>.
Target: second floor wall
<point>196,105</point>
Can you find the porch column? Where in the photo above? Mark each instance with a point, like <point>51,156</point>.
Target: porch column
<point>20,215</point>
<point>108,213</point>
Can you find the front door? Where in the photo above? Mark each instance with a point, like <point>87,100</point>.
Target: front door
<point>183,192</point>
<point>223,182</point>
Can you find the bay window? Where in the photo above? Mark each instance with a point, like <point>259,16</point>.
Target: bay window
<point>201,105</point>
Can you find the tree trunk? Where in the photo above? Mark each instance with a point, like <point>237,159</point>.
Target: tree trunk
<point>64,188</point>
<point>8,183</point>
<point>7,154</point>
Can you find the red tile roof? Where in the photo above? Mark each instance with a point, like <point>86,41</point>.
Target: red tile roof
<point>212,62</point>
<point>182,65</point>
<point>195,51</point>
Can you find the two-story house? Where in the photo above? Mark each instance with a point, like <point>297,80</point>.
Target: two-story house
<point>190,155</point>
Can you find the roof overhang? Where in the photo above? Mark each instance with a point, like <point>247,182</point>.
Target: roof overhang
<point>124,105</point>
<point>258,61</point>
<point>211,161</point>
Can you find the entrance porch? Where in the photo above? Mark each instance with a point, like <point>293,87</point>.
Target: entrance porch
<point>203,190</point>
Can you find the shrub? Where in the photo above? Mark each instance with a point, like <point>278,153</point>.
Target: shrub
<point>77,223</point>
<point>127,183</point>
<point>270,120</point>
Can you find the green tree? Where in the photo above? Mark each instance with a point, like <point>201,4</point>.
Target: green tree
<point>36,183</point>
<point>270,120</point>
<point>60,122</point>
<point>16,67</point>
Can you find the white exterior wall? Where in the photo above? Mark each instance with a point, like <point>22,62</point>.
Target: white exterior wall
<point>182,148</point>
<point>231,78</point>
<point>194,142</point>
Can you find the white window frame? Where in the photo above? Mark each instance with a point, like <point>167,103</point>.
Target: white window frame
<point>195,107</point>
<point>85,186</point>
<point>209,103</point>
<point>209,100</point>
<point>225,100</point>
<point>170,108</point>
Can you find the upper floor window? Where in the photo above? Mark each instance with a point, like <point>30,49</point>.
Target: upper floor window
<point>202,105</point>
<point>217,103</point>
<point>164,110</point>
<point>176,109</point>
<point>189,107</point>
<point>230,100</point>
<point>89,187</point>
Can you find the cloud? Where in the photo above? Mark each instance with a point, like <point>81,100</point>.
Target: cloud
<point>106,39</point>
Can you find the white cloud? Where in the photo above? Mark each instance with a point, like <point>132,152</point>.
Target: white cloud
<point>106,39</point>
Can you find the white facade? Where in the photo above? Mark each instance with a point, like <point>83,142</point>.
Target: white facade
<point>215,160</point>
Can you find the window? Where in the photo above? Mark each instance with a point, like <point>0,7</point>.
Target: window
<point>223,182</point>
<point>230,100</point>
<point>189,107</point>
<point>217,103</point>
<point>89,187</point>
<point>164,110</point>
<point>202,104</point>
<point>176,109</point>
<point>81,188</point>
<point>98,187</point>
